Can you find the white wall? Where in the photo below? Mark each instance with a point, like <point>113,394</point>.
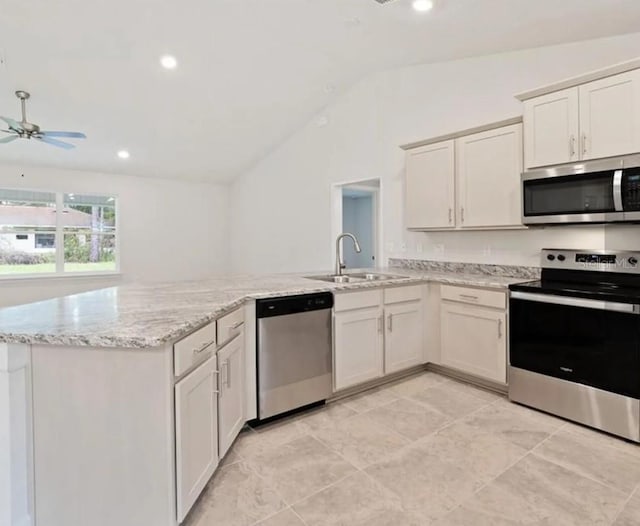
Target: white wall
<point>281,209</point>
<point>169,230</point>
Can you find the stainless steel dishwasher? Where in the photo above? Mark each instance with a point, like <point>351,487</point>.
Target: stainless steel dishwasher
<point>294,352</point>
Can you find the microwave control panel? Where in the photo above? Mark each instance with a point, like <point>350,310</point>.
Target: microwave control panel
<point>631,190</point>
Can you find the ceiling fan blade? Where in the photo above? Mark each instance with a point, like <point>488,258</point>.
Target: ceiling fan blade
<point>73,135</point>
<point>59,144</point>
<point>8,139</point>
<point>13,124</point>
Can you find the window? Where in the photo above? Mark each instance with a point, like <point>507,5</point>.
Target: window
<point>46,233</point>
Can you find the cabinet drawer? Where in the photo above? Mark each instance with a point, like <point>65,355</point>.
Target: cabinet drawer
<point>357,300</point>
<point>486,298</point>
<point>230,326</point>
<point>400,294</point>
<point>194,348</point>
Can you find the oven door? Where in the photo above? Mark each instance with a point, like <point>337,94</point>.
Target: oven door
<point>580,198</point>
<point>591,342</point>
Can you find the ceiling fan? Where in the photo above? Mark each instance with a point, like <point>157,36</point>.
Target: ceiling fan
<point>26,130</point>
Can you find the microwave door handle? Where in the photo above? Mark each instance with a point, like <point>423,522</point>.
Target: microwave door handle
<point>617,191</point>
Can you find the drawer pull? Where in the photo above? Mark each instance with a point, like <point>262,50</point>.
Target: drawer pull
<point>469,297</point>
<point>236,326</point>
<point>202,348</point>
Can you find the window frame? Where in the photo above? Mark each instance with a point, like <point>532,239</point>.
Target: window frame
<point>59,239</point>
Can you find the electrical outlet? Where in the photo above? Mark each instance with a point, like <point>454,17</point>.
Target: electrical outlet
<point>419,248</point>
<point>403,247</point>
<point>438,249</point>
<point>390,246</point>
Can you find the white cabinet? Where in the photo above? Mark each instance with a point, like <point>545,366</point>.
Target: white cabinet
<point>196,403</point>
<point>377,332</point>
<point>472,181</point>
<point>358,346</point>
<point>488,168</point>
<point>231,396</point>
<point>429,189</point>
<point>404,337</point>
<point>610,116</point>
<point>473,337</point>
<point>551,128</point>
<point>596,119</point>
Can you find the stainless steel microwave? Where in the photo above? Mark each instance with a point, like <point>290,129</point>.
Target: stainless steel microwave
<point>601,191</point>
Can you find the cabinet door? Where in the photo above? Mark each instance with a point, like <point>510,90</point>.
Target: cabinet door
<point>404,336</point>
<point>551,129</point>
<point>231,396</point>
<point>610,116</point>
<point>196,433</point>
<point>429,189</point>
<point>474,340</point>
<point>489,165</point>
<point>358,346</point>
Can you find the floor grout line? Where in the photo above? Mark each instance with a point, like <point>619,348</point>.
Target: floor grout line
<point>626,503</point>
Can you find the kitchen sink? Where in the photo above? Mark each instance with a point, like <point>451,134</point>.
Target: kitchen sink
<point>376,277</point>
<point>359,277</point>
<point>334,279</point>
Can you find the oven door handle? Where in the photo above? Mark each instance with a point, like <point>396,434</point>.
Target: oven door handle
<point>577,302</point>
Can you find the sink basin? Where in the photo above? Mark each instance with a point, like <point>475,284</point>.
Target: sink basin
<point>376,277</point>
<point>351,278</point>
<point>334,279</point>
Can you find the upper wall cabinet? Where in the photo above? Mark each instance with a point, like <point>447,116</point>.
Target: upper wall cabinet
<point>430,190</point>
<point>488,167</point>
<point>471,180</point>
<point>596,119</point>
<point>551,129</point>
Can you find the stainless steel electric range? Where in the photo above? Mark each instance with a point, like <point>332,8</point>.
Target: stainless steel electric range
<point>575,339</point>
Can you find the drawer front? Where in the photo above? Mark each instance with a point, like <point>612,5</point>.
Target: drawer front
<point>357,300</point>
<point>194,348</point>
<point>230,325</point>
<point>401,294</point>
<point>486,298</point>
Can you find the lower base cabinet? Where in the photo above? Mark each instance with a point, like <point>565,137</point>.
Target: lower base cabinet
<point>230,398</point>
<point>473,340</point>
<point>196,433</point>
<point>404,336</point>
<point>358,346</point>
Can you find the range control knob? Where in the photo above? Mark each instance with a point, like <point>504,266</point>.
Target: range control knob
<point>551,257</point>
<point>561,257</point>
<point>633,261</point>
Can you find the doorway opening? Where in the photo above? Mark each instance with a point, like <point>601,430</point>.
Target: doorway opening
<point>356,207</point>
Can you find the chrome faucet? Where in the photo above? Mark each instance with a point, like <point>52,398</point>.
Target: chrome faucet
<point>339,263</point>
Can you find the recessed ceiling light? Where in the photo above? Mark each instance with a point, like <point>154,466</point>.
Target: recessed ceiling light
<point>169,62</point>
<point>423,5</point>
<point>123,154</point>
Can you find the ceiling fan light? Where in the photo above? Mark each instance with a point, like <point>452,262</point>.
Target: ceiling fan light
<point>124,154</point>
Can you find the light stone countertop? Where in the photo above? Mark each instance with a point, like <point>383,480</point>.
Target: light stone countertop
<point>149,315</point>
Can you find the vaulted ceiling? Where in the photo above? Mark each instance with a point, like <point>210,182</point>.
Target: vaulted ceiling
<point>250,71</point>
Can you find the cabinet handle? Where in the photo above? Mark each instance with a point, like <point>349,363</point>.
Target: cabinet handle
<point>462,215</point>
<point>572,146</point>
<point>228,362</point>
<point>202,348</point>
<point>584,143</point>
<point>390,322</point>
<point>380,323</point>
<point>450,215</point>
<point>469,297</point>
<point>499,329</point>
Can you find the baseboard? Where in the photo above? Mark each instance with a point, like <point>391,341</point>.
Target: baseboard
<point>468,378</point>
<point>360,388</point>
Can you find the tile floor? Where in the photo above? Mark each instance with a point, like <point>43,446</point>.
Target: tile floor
<point>424,451</point>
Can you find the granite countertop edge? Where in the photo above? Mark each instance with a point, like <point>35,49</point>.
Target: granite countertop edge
<point>110,338</point>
